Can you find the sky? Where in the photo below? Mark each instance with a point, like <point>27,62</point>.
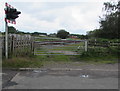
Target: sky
<point>76,17</point>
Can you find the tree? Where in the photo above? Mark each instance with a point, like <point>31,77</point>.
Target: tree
<point>109,22</point>
<point>62,34</point>
<point>94,34</point>
<point>79,36</point>
<point>52,35</point>
<point>38,33</point>
<point>11,29</point>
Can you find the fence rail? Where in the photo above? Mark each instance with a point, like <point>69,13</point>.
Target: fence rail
<point>104,44</point>
<point>104,47</point>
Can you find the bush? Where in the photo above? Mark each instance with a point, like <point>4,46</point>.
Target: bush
<point>92,53</point>
<point>100,51</point>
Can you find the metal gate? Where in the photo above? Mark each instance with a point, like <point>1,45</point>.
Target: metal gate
<point>56,46</point>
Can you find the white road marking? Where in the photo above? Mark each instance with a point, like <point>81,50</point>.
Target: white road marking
<point>103,70</point>
<point>15,76</point>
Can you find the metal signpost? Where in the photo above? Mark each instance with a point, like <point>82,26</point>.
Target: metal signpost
<point>10,15</point>
<point>6,40</point>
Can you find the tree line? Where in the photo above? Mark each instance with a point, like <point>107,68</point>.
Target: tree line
<point>62,33</point>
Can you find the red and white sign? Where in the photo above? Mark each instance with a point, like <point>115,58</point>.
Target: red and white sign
<point>7,20</point>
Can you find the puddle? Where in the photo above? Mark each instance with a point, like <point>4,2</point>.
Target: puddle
<point>84,76</point>
<point>11,83</point>
<point>39,71</point>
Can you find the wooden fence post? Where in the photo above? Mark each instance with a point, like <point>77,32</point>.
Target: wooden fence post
<point>12,45</point>
<point>32,45</point>
<point>86,45</point>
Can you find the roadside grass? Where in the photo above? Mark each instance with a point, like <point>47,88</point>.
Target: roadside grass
<point>108,59</point>
<point>22,62</point>
<point>41,60</point>
<point>33,62</point>
<point>56,58</point>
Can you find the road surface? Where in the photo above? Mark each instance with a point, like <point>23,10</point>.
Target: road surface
<point>82,77</point>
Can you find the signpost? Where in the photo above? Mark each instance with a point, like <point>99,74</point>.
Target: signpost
<point>6,40</point>
<point>10,15</point>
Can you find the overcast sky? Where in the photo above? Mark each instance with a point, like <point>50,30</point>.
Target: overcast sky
<point>49,17</point>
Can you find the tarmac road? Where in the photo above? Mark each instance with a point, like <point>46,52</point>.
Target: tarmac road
<point>61,78</point>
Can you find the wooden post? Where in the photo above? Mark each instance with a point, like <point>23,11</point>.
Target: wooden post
<point>86,45</point>
<point>12,45</point>
<point>33,45</point>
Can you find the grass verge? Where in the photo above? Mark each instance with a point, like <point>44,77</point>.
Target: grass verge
<point>109,59</point>
<point>33,62</point>
<point>22,62</point>
<point>39,61</point>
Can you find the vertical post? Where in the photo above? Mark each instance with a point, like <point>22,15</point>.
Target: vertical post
<point>6,40</point>
<point>86,45</point>
<point>33,45</point>
<point>12,45</point>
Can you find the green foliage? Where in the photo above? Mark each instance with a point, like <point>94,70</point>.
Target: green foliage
<point>106,46</point>
<point>94,52</point>
<point>79,36</point>
<point>101,54</point>
<point>11,29</point>
<point>109,22</point>
<point>109,59</point>
<point>94,34</point>
<point>34,62</point>
<point>52,35</point>
<point>38,33</point>
<point>62,34</point>
<point>63,58</point>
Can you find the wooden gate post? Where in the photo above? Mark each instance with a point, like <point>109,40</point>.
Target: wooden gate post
<point>86,45</point>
